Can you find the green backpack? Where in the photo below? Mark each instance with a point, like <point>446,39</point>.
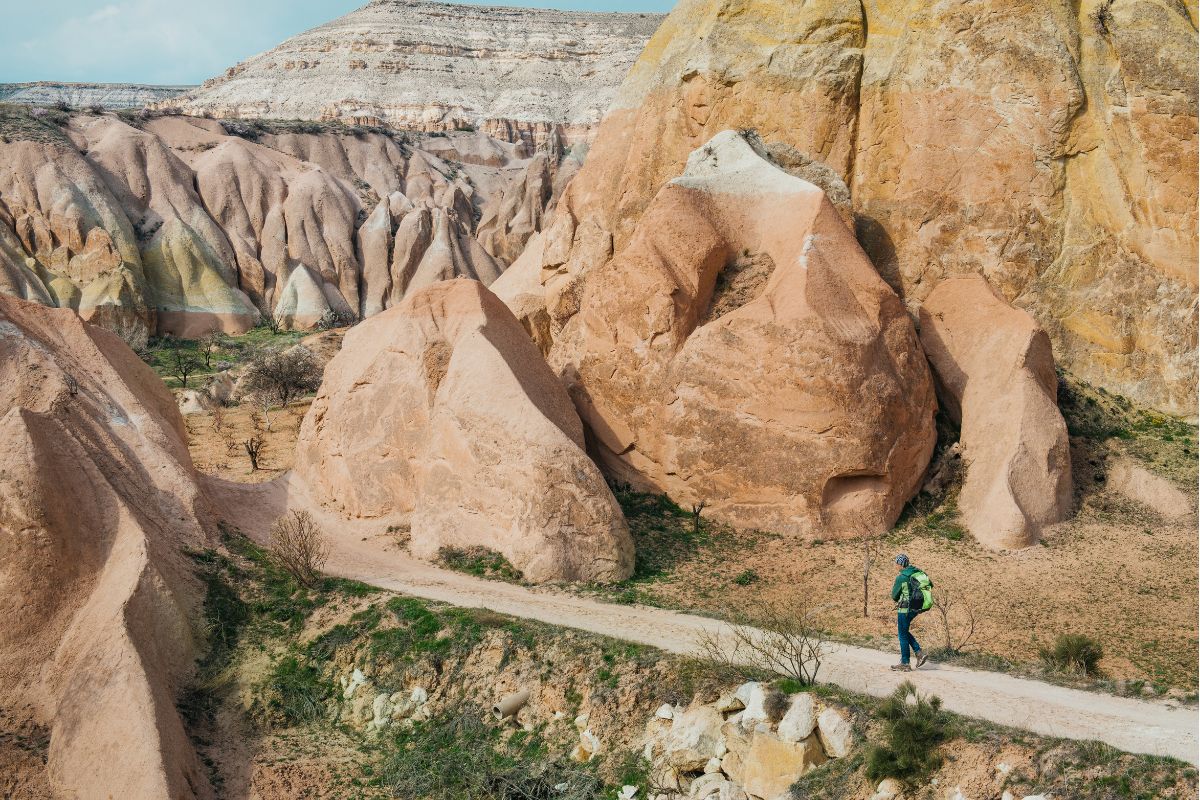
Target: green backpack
<point>920,592</point>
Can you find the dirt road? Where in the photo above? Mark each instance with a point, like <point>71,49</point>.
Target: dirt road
<point>364,553</point>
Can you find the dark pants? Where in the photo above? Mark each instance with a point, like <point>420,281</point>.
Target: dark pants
<point>907,640</point>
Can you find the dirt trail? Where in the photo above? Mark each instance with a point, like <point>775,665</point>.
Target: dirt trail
<point>362,552</point>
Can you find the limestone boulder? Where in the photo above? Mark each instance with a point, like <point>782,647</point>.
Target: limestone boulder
<point>772,765</point>
<point>800,720</point>
<point>995,375</point>
<point>742,351</point>
<point>441,413</point>
<point>693,740</point>
<point>836,732</point>
<point>98,504</point>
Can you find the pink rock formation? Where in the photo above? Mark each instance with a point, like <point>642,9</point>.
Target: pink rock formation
<point>995,376</point>
<point>97,503</point>
<point>441,413</point>
<point>743,352</point>
<point>177,226</point>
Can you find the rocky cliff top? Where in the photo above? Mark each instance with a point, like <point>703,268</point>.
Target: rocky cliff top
<point>79,95</point>
<point>438,66</point>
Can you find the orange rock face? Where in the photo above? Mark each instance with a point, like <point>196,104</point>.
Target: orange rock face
<point>97,502</point>
<point>743,352</point>
<point>995,376</point>
<point>440,412</point>
<point>1048,146</point>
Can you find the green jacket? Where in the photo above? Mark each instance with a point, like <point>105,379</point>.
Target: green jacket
<point>900,587</point>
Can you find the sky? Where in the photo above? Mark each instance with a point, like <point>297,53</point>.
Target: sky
<point>176,41</point>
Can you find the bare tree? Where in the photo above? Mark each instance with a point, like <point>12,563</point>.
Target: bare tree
<point>697,510</point>
<point>959,621</point>
<point>182,363</point>
<point>870,551</point>
<point>787,638</point>
<point>279,376</point>
<point>254,447</point>
<point>210,344</point>
<point>299,546</point>
<point>218,421</point>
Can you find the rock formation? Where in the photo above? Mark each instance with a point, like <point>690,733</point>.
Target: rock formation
<point>726,750</point>
<point>441,413</point>
<point>97,503</point>
<point>178,226</point>
<point>1048,146</point>
<point>995,376</point>
<point>516,73</point>
<point>82,95</point>
<point>743,352</point>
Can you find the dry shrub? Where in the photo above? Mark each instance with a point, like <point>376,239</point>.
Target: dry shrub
<point>788,638</point>
<point>299,546</point>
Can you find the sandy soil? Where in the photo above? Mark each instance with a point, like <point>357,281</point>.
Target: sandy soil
<point>1130,586</point>
<point>215,440</point>
<point>364,552</point>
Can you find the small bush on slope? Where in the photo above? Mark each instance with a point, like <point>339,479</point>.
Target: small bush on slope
<point>915,726</point>
<point>1074,652</point>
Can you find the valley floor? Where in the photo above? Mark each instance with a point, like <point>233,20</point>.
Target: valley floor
<point>374,558</point>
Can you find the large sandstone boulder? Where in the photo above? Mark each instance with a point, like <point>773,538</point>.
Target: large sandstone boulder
<point>98,501</point>
<point>743,352</point>
<point>442,413</point>
<point>995,375</point>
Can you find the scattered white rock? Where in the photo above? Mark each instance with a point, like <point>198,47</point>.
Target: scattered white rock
<point>1003,768</point>
<point>956,794</point>
<point>627,793</point>
<point>357,679</point>
<point>694,739</point>
<point>419,696</point>
<point>756,706</point>
<point>581,722</point>
<point>381,709</point>
<point>800,720</point>
<point>730,703</point>
<point>837,734</point>
<point>888,789</point>
<point>713,766</point>
<point>665,711</point>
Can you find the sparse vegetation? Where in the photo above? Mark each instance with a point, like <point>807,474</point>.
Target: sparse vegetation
<point>182,363</point>
<point>914,728</point>
<point>299,546</point>
<point>277,377</point>
<point>457,756</point>
<point>480,562</point>
<point>255,446</point>
<point>1075,653</point>
<point>786,638</point>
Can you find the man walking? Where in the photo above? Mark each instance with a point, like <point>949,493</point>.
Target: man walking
<point>913,593</point>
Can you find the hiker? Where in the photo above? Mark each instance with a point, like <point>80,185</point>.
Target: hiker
<point>913,593</point>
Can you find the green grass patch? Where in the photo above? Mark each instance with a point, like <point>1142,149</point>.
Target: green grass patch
<point>480,562</point>
<point>457,756</point>
<point>229,353</point>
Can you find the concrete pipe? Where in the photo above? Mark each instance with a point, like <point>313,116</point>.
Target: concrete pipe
<point>509,706</point>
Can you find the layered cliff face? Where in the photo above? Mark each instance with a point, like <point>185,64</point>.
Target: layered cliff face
<point>177,226</point>
<point>81,95</point>
<point>517,73</point>
<point>1048,146</point>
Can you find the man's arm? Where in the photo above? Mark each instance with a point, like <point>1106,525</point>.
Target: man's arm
<point>896,586</point>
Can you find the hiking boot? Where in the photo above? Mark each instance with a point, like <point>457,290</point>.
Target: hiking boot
<point>901,668</point>
<point>921,659</point>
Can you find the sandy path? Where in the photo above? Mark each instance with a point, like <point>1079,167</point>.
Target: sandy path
<point>362,553</point>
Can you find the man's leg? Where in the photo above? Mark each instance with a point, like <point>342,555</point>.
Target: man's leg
<point>912,640</point>
<point>902,630</point>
